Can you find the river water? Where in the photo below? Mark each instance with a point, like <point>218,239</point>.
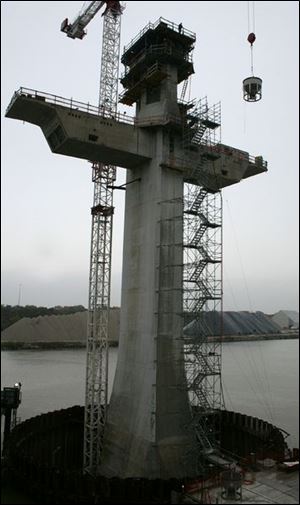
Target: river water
<point>259,379</point>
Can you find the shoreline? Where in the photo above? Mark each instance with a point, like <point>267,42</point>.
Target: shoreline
<point>17,346</point>
<point>253,338</point>
<point>46,346</point>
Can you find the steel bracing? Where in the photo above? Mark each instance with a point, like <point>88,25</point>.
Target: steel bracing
<point>202,278</point>
<point>103,176</point>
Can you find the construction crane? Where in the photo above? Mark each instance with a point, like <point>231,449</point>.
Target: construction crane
<point>76,30</point>
<point>103,176</point>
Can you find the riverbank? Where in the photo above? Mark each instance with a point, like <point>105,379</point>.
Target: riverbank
<point>17,346</point>
<point>253,338</point>
<point>45,346</point>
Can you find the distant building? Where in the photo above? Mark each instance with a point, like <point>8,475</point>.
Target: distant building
<point>286,319</point>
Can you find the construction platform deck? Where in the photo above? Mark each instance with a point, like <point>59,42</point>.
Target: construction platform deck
<point>84,131</point>
<point>268,485</point>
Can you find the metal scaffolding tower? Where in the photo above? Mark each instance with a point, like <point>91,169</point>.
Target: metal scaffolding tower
<point>103,176</point>
<point>202,277</point>
<point>197,258</point>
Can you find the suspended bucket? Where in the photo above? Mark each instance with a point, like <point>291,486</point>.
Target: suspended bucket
<point>252,89</point>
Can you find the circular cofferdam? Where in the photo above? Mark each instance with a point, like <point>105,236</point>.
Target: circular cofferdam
<point>44,456</point>
<point>243,435</point>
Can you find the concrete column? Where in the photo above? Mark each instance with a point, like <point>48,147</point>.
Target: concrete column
<point>167,103</point>
<point>149,412</point>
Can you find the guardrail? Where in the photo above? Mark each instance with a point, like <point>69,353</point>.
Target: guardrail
<point>75,105</point>
<point>235,153</point>
<point>216,149</point>
<point>158,120</point>
<point>152,26</point>
<point>71,104</point>
<point>158,50</point>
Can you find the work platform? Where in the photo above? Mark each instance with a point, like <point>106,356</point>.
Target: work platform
<point>267,485</point>
<point>147,54</point>
<point>81,130</point>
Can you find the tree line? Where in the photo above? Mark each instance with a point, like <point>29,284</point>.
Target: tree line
<point>10,314</point>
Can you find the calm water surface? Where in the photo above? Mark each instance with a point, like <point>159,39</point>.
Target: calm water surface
<point>259,378</point>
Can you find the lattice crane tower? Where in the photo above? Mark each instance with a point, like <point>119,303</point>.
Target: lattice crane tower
<point>103,177</point>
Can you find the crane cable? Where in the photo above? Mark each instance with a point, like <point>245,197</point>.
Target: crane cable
<point>262,382</point>
<point>251,39</point>
<point>253,17</point>
<point>251,30</point>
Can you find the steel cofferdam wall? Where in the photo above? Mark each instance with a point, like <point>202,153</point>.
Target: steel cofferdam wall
<point>43,455</point>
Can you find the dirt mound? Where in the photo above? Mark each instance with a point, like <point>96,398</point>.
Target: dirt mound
<point>65,328</point>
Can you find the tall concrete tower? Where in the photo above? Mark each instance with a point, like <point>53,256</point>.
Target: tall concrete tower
<point>149,431</point>
<point>149,393</point>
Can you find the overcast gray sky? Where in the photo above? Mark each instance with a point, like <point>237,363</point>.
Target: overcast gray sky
<point>46,198</point>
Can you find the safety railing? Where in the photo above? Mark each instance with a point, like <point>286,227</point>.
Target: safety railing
<point>75,105</point>
<point>158,120</point>
<point>71,104</point>
<point>239,155</point>
<point>155,70</point>
<point>178,162</point>
<point>156,50</point>
<point>215,149</point>
<point>152,26</point>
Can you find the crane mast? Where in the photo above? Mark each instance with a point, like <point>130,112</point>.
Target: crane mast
<point>103,176</point>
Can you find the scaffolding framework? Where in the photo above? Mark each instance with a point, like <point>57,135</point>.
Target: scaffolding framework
<point>103,176</point>
<point>197,258</point>
<point>202,278</point>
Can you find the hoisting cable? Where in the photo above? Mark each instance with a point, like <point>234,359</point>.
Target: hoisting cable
<point>251,36</point>
<point>252,85</point>
<point>262,382</point>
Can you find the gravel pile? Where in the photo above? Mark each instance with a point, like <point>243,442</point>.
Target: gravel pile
<point>65,328</point>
